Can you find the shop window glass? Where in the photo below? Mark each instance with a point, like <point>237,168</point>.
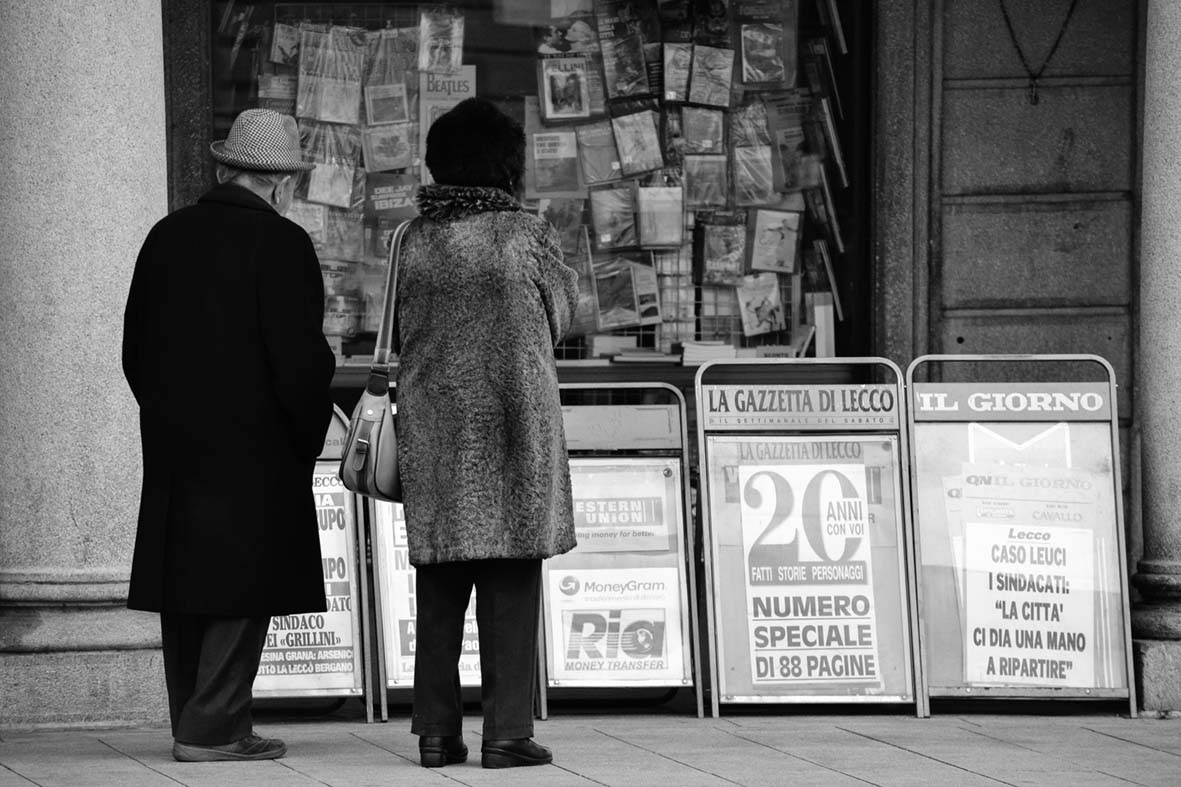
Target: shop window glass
<point>689,152</point>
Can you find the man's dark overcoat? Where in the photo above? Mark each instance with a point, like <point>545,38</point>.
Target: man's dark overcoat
<point>483,297</point>
<point>224,350</point>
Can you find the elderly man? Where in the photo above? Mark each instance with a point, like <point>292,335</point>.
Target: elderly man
<point>224,351</point>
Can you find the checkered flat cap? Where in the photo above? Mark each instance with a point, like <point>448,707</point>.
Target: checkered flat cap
<point>262,140</point>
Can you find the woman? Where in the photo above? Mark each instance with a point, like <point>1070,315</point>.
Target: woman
<point>483,297</point>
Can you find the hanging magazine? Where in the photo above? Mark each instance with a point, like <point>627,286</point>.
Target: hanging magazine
<point>389,200</point>
<point>613,216</point>
<point>767,42</point>
<point>330,72</point>
<point>638,142</point>
<point>386,103</point>
<point>786,114</point>
<point>677,60</point>
<point>392,59</point>
<point>597,153</point>
<point>388,146</point>
<point>711,22</point>
<point>706,181</point>
<point>753,184</point>
<point>586,313</point>
<point>566,216</point>
<point>564,88</point>
<point>284,44</point>
<point>711,75</point>
<point>760,304</point>
<point>703,129</point>
<point>336,152</point>
<point>627,292</point>
<point>772,240</point>
<point>660,215</point>
<point>440,39</point>
<point>719,250</point>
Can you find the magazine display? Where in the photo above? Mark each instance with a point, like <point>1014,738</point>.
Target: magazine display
<point>753,181</point>
<point>767,42</point>
<point>773,239</point>
<point>704,129</point>
<point>707,181</point>
<point>676,146</point>
<point>760,304</point>
<point>564,88</point>
<point>388,146</point>
<point>710,76</point>
<point>336,152</point>
<point>566,216</point>
<point>720,250</point>
<point>330,70</point>
<point>389,200</point>
<point>660,215</point>
<point>613,216</point>
<point>677,60</point>
<point>440,40</point>
<point>386,103</point>
<point>638,142</point>
<point>597,153</point>
<point>627,292</point>
<point>586,312</point>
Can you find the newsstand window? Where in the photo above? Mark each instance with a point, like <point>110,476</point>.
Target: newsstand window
<point>688,152</point>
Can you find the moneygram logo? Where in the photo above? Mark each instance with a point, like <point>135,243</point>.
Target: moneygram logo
<point>571,585</point>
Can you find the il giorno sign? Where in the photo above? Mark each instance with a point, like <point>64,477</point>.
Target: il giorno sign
<point>1011,401</point>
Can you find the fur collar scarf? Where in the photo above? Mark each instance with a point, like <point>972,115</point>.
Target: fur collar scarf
<point>443,203</point>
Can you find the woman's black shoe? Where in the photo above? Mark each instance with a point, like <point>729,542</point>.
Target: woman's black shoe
<point>435,751</point>
<point>514,752</point>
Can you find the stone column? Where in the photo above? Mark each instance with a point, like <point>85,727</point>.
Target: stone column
<point>82,147</point>
<point>1156,622</point>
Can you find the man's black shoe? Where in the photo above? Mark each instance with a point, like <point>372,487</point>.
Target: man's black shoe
<point>252,747</point>
<point>435,751</point>
<point>514,752</point>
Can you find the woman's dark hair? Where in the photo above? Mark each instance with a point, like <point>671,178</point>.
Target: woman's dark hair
<point>475,144</point>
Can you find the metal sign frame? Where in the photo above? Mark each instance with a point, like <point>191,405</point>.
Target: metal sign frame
<point>797,374</point>
<point>611,435</point>
<point>327,464</point>
<point>1013,691</point>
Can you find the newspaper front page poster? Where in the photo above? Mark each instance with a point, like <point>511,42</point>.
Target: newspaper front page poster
<point>394,577</point>
<point>318,653</point>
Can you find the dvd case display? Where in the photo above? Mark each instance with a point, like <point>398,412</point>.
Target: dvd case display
<point>386,103</point>
<point>677,59</point>
<point>389,200</point>
<point>753,182</point>
<point>719,250</point>
<point>626,291</point>
<point>767,36</point>
<point>566,216</point>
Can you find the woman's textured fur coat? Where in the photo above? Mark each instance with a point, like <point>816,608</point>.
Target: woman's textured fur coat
<point>483,297</point>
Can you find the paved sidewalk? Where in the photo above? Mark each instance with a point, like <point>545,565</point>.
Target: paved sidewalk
<point>649,749</point>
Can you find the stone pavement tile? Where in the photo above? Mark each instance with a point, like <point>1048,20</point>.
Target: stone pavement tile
<point>858,757</point>
<point>1161,734</point>
<point>1086,750</point>
<point>71,759</point>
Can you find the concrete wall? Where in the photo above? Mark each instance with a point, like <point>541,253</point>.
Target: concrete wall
<point>82,145</point>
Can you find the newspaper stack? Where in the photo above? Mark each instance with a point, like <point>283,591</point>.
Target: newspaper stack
<point>695,353</point>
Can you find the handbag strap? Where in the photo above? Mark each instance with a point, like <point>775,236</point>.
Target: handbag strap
<point>385,330</point>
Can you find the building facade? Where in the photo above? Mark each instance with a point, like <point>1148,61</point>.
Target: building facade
<point>1017,194</point>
